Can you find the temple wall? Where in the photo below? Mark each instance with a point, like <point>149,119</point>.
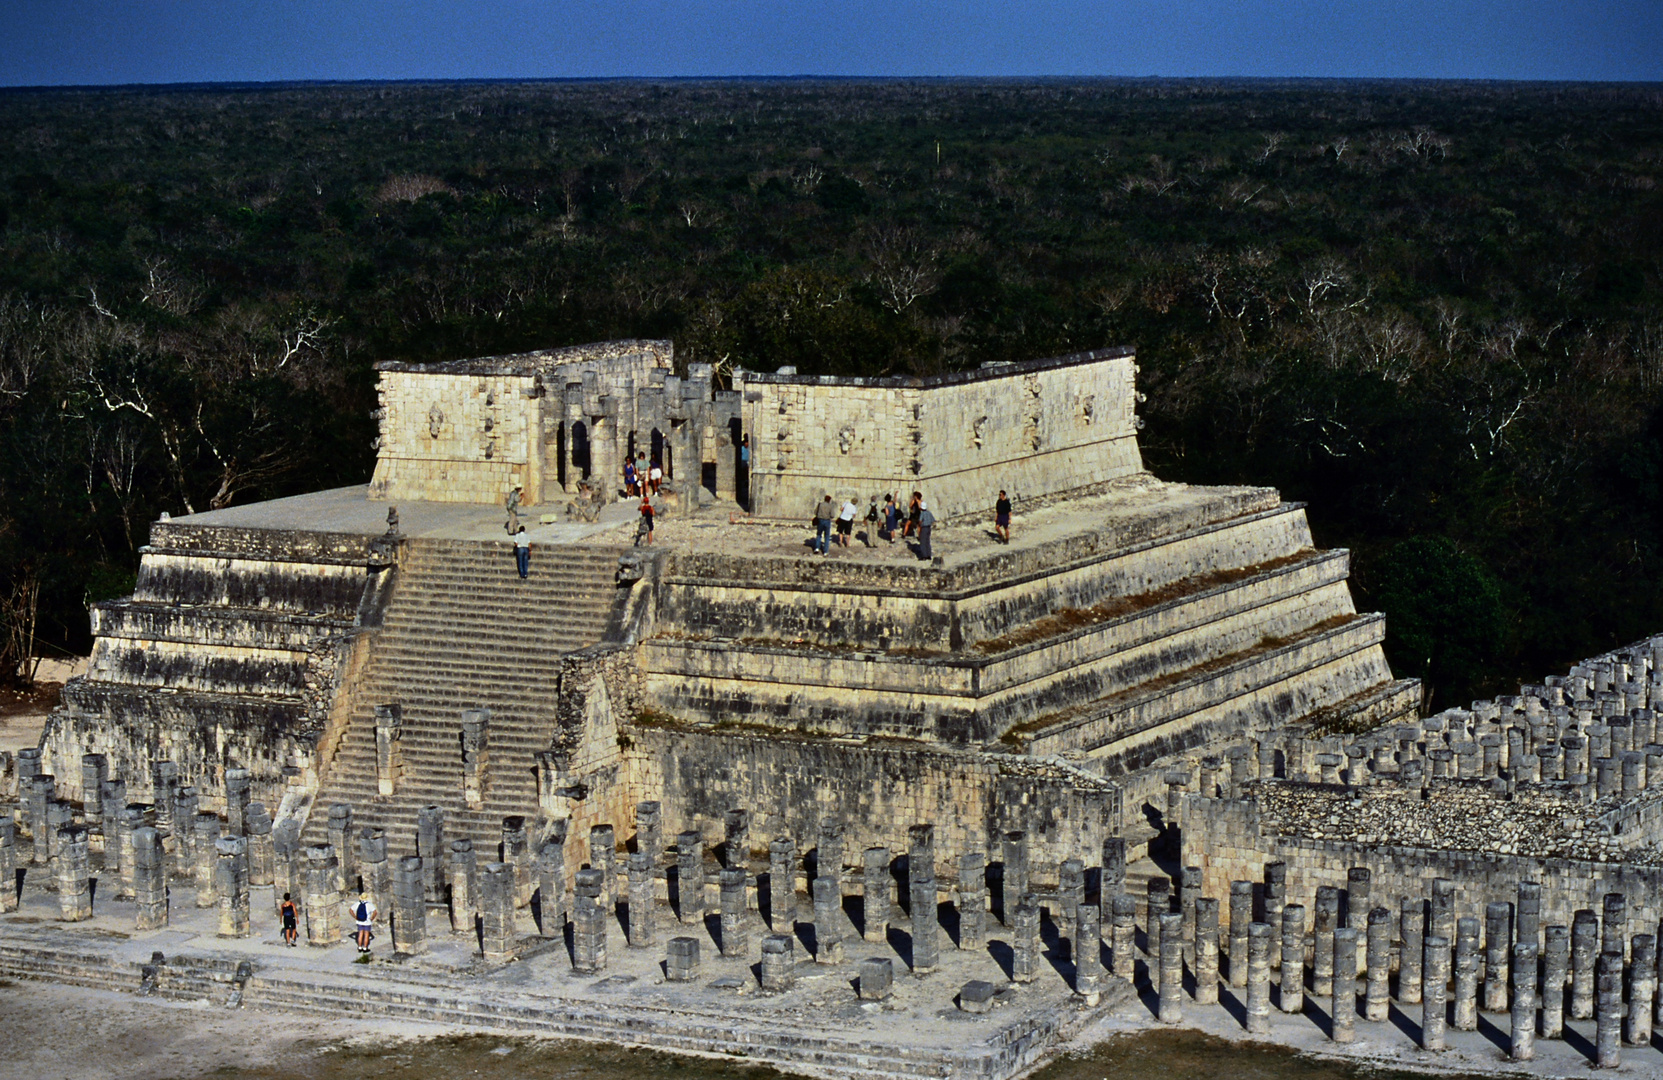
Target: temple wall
<point>1033,429</point>
<point>789,784</point>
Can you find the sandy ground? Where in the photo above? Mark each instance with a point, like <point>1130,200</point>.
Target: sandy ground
<point>67,1033</point>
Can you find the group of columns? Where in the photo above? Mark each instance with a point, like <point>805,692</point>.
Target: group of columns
<point>1595,730</point>
<point>146,846</point>
<point>1452,966</point>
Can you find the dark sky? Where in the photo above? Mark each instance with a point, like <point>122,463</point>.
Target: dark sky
<point>157,41</point>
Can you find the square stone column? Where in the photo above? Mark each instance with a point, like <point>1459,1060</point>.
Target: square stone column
<point>389,754</point>
<point>232,886</point>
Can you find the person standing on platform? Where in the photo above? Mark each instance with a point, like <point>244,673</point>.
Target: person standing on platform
<point>926,525</point>
<point>364,914</point>
<point>1002,517</point>
<point>845,522</point>
<point>643,528</point>
<point>872,522</point>
<point>891,517</point>
<point>522,552</point>
<point>823,515</point>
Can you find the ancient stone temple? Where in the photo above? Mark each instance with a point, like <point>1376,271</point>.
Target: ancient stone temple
<point>374,649</point>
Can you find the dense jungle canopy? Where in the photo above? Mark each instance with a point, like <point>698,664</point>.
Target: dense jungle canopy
<point>1434,311</point>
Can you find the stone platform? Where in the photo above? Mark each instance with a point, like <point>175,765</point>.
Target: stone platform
<point>818,1028</point>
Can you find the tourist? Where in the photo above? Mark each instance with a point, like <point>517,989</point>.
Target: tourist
<point>364,913</point>
<point>891,517</point>
<point>845,522</point>
<point>1002,517</point>
<point>522,552</point>
<point>512,506</point>
<point>871,521</point>
<point>913,510</point>
<point>823,515</point>
<point>926,523</point>
<point>291,919</point>
<point>629,478</point>
<point>643,527</point>
<point>657,474</point>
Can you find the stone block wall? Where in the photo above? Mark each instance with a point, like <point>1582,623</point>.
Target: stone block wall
<point>789,784</point>
<point>1032,428</point>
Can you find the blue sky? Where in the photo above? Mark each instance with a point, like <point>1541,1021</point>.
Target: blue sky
<point>57,42</point>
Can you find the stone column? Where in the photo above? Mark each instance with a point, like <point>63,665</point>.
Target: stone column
<point>690,877</point>
<point>736,943</point>
<point>389,753</point>
<point>496,917</point>
<point>1466,974</point>
<point>37,797</point>
<point>782,885</point>
<point>1088,953</point>
<point>464,892</point>
<point>828,850</point>
<point>828,921</point>
<point>1443,909</point>
<point>516,852</point>
<point>375,871</point>
<point>257,827</point>
<point>1171,960</point>
<point>8,863</point>
<point>1113,875</point>
<point>60,815</point>
<point>112,798</point>
<point>341,838</point>
<point>74,892</point>
<point>323,897</point>
<point>1189,889</point>
<point>1293,958</point>
<point>1071,893</point>
<point>205,852</point>
<point>1642,989</point>
<point>641,903</point>
<point>431,847</point>
<point>1322,955</point>
<point>1241,913</point>
<point>926,942</point>
<point>1206,950</point>
<point>232,886</point>
<point>1434,992</point>
<point>875,895</point>
<point>1157,903</point>
<point>1556,971</point>
<point>288,866</point>
<point>649,833</point>
<point>149,878</point>
<point>589,924</point>
<point>1329,767</point>
<point>1527,913</point>
<point>1025,945</point>
<point>736,838</point>
<point>132,817</point>
<point>1377,1001</point>
<point>1344,1001</point>
<point>1523,1047</point>
<point>973,902</point>
<point>778,963</point>
<point>1614,926</point>
<point>1608,1015</point>
<point>1123,936</point>
<point>237,800</point>
<point>682,959</point>
<point>95,769</point>
<point>1584,948</point>
<point>1015,880</point>
<point>476,734</point>
<point>410,906</point>
<point>1357,905</point>
<point>1411,920</point>
<point>1276,898</point>
<point>877,978</point>
<point>1498,942</point>
<point>1259,937</point>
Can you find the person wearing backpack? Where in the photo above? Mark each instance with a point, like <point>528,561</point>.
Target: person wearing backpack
<point>364,914</point>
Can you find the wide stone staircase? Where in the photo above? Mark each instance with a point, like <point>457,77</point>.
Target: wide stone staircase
<point>463,631</point>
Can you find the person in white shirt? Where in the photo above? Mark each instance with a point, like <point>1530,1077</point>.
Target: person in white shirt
<point>845,522</point>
